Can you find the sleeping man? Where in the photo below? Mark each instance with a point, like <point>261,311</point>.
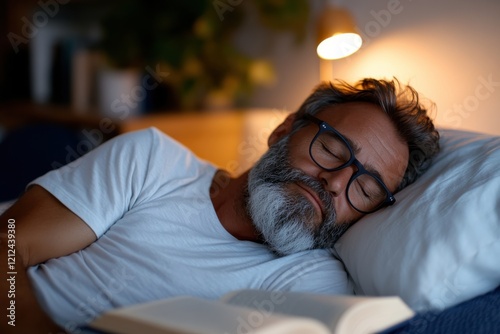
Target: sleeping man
<point>141,218</point>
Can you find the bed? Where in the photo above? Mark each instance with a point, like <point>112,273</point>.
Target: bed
<point>438,247</point>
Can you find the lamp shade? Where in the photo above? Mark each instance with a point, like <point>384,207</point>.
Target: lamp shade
<point>337,35</point>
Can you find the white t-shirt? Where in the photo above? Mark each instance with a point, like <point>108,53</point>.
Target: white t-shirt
<point>147,199</point>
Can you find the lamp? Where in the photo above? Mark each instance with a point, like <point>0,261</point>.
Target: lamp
<point>337,37</point>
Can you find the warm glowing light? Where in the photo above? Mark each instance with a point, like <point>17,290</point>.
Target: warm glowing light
<point>339,46</point>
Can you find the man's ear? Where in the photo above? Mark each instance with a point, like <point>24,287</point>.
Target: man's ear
<point>282,129</point>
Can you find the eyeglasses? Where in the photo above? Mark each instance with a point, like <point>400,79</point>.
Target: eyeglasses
<point>331,151</point>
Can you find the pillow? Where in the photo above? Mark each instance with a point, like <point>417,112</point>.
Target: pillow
<point>439,244</point>
<point>5,205</point>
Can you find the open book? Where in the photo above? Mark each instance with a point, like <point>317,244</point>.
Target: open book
<point>258,312</point>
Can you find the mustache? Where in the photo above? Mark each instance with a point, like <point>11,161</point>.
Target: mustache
<point>268,180</point>
<point>281,172</point>
<point>329,231</point>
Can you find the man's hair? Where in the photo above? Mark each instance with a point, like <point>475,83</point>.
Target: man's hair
<point>401,103</point>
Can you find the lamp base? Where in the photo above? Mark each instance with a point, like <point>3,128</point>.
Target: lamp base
<point>325,70</point>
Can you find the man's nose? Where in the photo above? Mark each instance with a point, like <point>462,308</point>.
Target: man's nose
<point>336,182</point>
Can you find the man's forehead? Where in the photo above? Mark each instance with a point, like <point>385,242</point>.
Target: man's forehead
<point>352,119</point>
<point>349,110</point>
<point>372,135</point>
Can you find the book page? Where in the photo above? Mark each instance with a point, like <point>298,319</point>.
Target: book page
<point>190,315</point>
<point>294,304</point>
<point>336,312</point>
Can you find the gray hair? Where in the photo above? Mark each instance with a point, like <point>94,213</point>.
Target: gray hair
<point>400,102</point>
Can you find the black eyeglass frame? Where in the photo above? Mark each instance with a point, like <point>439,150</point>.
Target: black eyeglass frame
<point>325,127</point>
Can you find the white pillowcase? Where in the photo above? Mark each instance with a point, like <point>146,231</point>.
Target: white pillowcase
<point>439,244</point>
<point>5,205</point>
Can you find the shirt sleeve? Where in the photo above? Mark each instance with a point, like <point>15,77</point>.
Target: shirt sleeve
<point>101,186</point>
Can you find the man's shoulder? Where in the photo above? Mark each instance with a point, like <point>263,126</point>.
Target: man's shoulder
<point>147,137</point>
<point>150,133</point>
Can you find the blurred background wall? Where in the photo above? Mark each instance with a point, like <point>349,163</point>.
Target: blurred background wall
<point>446,49</point>
<point>74,73</point>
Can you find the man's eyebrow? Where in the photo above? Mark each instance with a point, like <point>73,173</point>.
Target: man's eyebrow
<point>356,149</point>
<point>354,145</point>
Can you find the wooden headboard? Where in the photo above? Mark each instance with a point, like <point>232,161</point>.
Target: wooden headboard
<point>233,140</point>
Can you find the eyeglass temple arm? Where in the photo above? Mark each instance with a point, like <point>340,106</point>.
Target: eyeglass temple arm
<point>312,118</point>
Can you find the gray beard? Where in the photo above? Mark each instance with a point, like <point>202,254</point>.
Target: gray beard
<point>283,218</point>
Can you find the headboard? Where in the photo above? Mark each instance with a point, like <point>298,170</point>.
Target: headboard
<point>232,140</point>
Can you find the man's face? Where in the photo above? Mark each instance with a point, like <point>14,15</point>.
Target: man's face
<point>297,205</point>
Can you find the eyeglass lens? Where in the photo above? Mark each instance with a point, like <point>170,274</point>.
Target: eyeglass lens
<point>330,152</point>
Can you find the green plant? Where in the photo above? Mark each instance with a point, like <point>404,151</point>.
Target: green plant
<point>195,46</point>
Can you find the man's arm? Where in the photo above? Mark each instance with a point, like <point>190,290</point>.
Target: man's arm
<point>35,229</point>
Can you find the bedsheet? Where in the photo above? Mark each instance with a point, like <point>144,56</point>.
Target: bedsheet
<point>480,315</point>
